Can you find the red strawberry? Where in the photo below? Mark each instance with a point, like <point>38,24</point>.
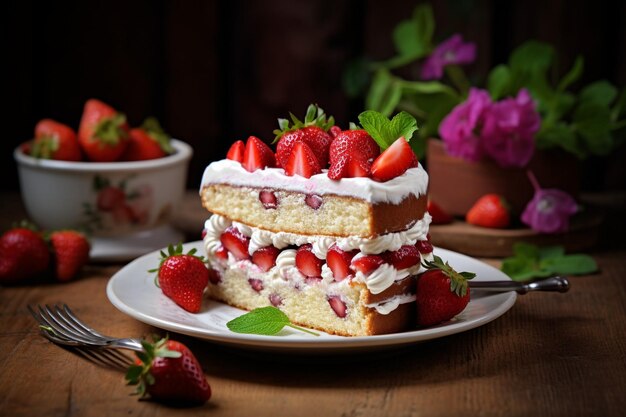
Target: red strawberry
<point>71,252</point>
<point>314,201</point>
<point>148,142</point>
<point>169,372</point>
<point>257,155</point>
<point>394,161</point>
<point>236,151</point>
<point>54,140</point>
<point>268,199</point>
<point>490,210</point>
<point>313,132</point>
<point>441,293</point>
<point>351,142</point>
<point>103,132</point>
<point>349,167</point>
<point>265,258</point>
<point>334,131</point>
<point>338,306</point>
<point>182,277</point>
<point>339,262</point>
<point>302,161</point>
<point>403,258</point>
<point>438,214</point>
<point>236,243</point>
<point>307,263</point>
<point>256,284</point>
<point>23,254</point>
<point>367,264</point>
<point>424,246</point>
<point>222,253</point>
<point>109,198</point>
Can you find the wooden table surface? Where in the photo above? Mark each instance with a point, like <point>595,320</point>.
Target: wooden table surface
<point>550,355</point>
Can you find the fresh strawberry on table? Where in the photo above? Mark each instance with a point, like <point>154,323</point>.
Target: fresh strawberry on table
<point>148,142</point>
<point>182,277</point>
<point>313,132</point>
<point>490,210</point>
<point>169,372</point>
<point>103,132</point>
<point>441,292</point>
<point>23,254</point>
<point>70,250</point>
<point>54,140</point>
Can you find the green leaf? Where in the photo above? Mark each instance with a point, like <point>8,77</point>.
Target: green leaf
<point>547,252</point>
<point>591,121</point>
<point>264,321</point>
<point>570,265</point>
<point>355,77</point>
<point>427,87</point>
<point>560,135</point>
<point>619,108</point>
<point>380,85</point>
<point>532,57</point>
<point>526,250</point>
<point>518,268</point>
<point>384,131</point>
<point>499,81</point>
<point>572,75</point>
<point>601,93</point>
<point>412,38</point>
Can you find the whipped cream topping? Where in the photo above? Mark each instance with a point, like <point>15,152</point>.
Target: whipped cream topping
<point>260,238</point>
<point>387,306</point>
<point>413,181</point>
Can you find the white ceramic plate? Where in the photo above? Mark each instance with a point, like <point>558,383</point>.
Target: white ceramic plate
<point>133,292</point>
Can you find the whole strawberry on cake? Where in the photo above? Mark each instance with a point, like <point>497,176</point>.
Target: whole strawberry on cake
<point>331,229</point>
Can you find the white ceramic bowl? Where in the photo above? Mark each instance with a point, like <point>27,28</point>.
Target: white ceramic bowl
<point>126,207</point>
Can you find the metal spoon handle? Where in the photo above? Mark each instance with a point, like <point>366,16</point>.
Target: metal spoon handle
<point>560,284</point>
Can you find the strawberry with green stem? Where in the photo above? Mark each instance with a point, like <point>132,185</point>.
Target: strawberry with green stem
<point>182,277</point>
<point>149,141</point>
<point>441,292</point>
<point>313,132</point>
<point>103,132</point>
<point>54,140</point>
<point>169,372</point>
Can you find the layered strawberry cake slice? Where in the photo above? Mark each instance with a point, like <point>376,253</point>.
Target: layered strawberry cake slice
<point>331,229</point>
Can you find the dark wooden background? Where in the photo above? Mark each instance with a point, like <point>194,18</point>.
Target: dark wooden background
<point>217,71</point>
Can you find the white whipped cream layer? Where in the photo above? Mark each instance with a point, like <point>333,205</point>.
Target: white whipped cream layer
<point>376,281</point>
<point>260,238</point>
<point>413,181</point>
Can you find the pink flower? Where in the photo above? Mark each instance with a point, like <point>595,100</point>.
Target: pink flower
<point>452,51</point>
<point>461,128</point>
<point>509,130</point>
<point>550,210</point>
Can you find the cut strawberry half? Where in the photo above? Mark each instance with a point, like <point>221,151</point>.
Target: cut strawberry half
<point>424,246</point>
<point>338,306</point>
<point>275,300</point>
<point>438,214</point>
<point>403,258</point>
<point>302,161</point>
<point>257,155</point>
<point>222,253</point>
<point>367,264</point>
<point>236,243</point>
<point>394,161</point>
<point>236,151</point>
<point>268,199</point>
<point>339,262</point>
<point>307,263</point>
<point>265,258</point>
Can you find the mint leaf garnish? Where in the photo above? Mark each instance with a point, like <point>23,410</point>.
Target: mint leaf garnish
<point>530,262</point>
<point>385,131</point>
<point>264,321</point>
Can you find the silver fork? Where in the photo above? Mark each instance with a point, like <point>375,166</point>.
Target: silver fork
<point>60,325</point>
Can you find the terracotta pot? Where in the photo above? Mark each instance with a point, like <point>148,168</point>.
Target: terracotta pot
<point>455,184</point>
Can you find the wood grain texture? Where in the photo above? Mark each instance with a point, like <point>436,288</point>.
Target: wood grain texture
<point>550,355</point>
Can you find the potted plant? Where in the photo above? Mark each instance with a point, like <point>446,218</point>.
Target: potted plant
<point>487,137</point>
